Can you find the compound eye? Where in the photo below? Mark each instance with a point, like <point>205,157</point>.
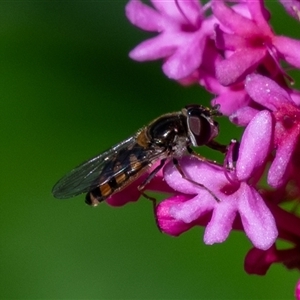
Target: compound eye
<point>199,129</point>
<point>201,126</point>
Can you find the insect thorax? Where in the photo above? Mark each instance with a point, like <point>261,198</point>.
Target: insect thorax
<point>170,133</point>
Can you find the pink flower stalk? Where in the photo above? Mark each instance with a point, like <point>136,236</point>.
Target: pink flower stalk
<point>232,51</point>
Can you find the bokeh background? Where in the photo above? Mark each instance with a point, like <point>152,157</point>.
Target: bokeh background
<point>68,92</point>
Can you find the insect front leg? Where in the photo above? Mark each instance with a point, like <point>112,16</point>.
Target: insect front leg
<point>179,169</point>
<point>231,153</point>
<point>217,146</point>
<point>233,148</point>
<point>202,158</point>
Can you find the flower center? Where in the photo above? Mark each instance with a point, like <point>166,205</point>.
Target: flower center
<point>260,41</point>
<point>288,122</point>
<point>288,116</point>
<point>230,189</point>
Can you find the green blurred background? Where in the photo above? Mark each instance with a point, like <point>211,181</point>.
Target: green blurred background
<point>68,92</point>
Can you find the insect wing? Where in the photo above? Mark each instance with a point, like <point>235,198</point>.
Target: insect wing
<point>83,178</point>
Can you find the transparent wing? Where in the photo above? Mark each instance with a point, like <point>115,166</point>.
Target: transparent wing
<point>104,167</point>
<point>82,179</point>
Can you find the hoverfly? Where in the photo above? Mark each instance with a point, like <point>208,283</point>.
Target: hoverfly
<point>168,137</point>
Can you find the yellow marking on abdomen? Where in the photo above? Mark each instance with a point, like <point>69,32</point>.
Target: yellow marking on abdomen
<point>120,178</point>
<point>105,190</point>
<point>135,165</point>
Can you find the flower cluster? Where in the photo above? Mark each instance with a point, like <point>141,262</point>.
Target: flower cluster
<point>231,50</point>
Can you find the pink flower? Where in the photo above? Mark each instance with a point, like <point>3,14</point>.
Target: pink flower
<point>249,42</point>
<point>182,34</point>
<point>286,127</point>
<point>232,51</point>
<point>229,98</point>
<point>259,261</point>
<point>236,196</point>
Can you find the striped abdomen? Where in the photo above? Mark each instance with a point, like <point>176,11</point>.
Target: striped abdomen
<point>118,172</point>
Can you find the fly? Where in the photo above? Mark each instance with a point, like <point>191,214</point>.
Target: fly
<point>168,137</point>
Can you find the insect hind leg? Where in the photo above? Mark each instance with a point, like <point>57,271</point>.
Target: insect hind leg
<point>142,186</point>
<point>179,169</point>
<point>147,181</point>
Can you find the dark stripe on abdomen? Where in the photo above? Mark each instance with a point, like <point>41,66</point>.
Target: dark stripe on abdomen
<point>105,190</point>
<point>127,165</point>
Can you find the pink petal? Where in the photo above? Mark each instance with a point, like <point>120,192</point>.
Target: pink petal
<point>243,116</point>
<point>227,41</point>
<point>143,16</point>
<point>231,100</point>
<point>259,261</point>
<point>193,209</point>
<point>237,23</point>
<point>128,194</point>
<point>155,48</point>
<point>258,222</point>
<point>158,184</point>
<point>220,225</point>
<point>266,92</point>
<point>185,60</point>
<point>260,15</point>
<point>289,49</point>
<point>239,64</point>
<point>166,222</point>
<point>175,180</point>
<point>186,11</point>
<point>278,171</point>
<point>198,171</point>
<point>255,145</point>
<point>295,95</point>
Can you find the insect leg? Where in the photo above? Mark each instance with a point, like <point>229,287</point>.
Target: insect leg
<point>202,158</point>
<point>233,148</point>
<point>152,174</point>
<point>146,181</point>
<point>232,155</point>
<point>217,146</point>
<point>230,151</point>
<point>179,169</point>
